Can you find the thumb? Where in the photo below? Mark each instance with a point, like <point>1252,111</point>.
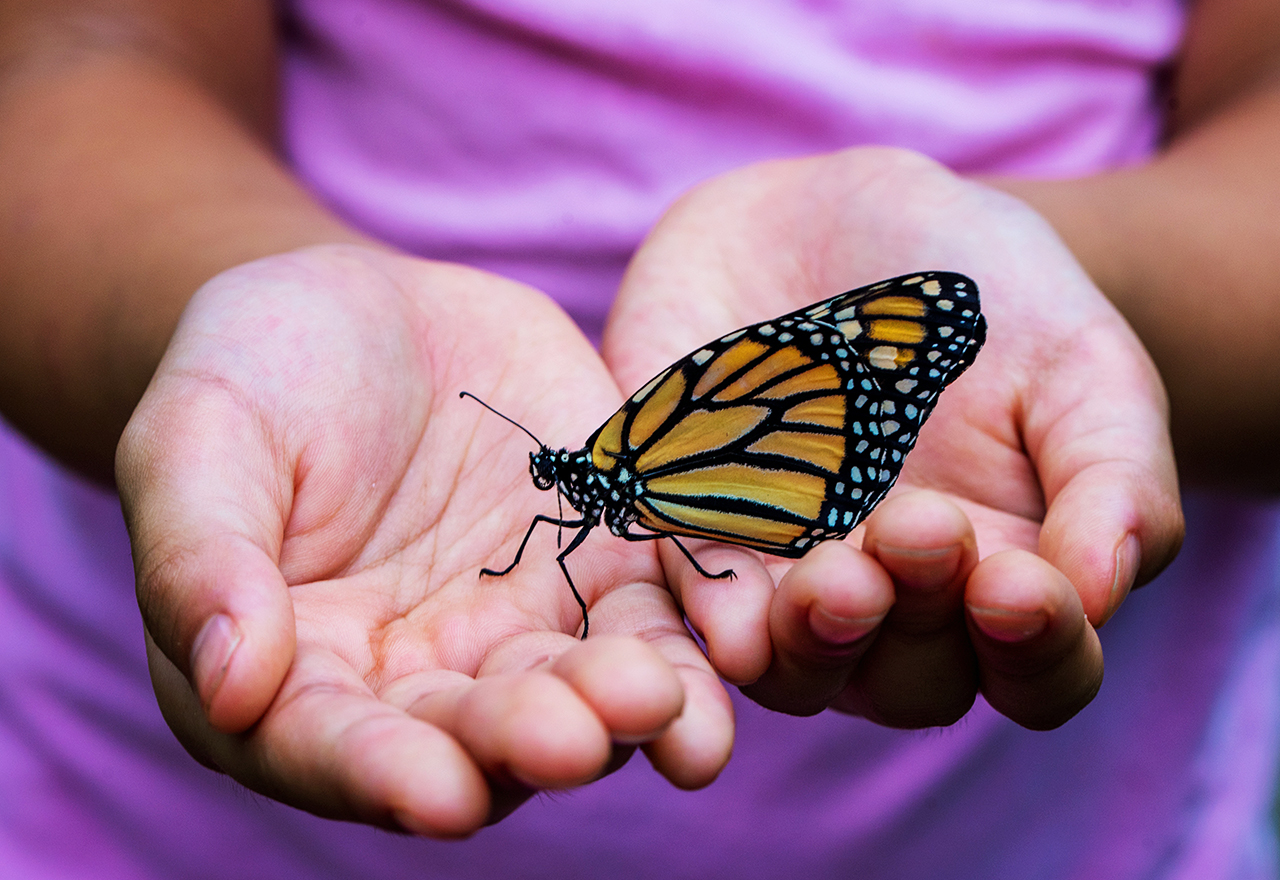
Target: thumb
<point>205,506</point>
<point>1114,518</point>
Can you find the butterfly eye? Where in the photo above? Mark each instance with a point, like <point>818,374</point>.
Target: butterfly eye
<point>542,468</point>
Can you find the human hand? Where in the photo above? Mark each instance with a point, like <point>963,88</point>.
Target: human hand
<point>1049,459</point>
<point>310,504</point>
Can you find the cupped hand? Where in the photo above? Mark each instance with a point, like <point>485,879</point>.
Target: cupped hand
<point>310,505</point>
<point>1053,488</point>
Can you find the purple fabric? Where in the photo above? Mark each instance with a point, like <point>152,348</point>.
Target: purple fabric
<point>1167,774</point>
<point>541,139</point>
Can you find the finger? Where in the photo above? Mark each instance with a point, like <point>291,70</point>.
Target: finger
<point>205,530</point>
<point>694,746</point>
<point>920,671</point>
<point>531,728</point>
<point>1114,526</point>
<point>657,689</point>
<point>729,614</point>
<point>332,748</point>
<point>1114,518</point>
<point>826,608</point>
<point>523,718</point>
<point>1040,660</point>
<point>693,750</point>
<point>627,683</point>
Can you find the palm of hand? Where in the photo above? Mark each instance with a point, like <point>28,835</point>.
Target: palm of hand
<point>308,426</point>
<point>1054,443</point>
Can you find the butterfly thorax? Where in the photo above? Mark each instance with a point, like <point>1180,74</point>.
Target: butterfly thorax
<point>593,493</point>
<point>575,476</point>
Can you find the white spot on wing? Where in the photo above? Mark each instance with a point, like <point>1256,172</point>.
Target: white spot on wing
<point>649,386</point>
<point>884,356</point>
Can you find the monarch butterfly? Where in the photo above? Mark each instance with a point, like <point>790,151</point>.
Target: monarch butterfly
<point>776,436</point>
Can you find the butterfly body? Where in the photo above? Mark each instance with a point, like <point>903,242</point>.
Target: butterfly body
<point>776,436</point>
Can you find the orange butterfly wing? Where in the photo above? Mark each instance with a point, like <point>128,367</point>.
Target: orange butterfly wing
<point>790,431</point>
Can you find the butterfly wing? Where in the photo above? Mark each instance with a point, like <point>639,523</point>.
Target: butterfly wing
<point>790,431</point>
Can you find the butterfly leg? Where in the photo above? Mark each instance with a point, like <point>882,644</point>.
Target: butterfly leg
<point>727,573</point>
<point>562,523</point>
<point>642,536</point>
<point>573,545</point>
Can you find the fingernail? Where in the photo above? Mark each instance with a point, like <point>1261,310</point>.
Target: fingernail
<point>1004,625</point>
<point>1128,557</point>
<point>933,567</point>
<point>211,655</point>
<point>840,630</point>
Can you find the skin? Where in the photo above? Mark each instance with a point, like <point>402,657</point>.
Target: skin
<point>1187,245</point>
<point>1051,449</point>
<point>338,533</point>
<point>309,502</point>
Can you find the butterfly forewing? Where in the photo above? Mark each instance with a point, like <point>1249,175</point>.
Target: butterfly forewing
<point>790,431</point>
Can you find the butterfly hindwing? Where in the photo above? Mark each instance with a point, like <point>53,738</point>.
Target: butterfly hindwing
<point>790,431</point>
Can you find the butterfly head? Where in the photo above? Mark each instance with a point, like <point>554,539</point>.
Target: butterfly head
<point>542,467</point>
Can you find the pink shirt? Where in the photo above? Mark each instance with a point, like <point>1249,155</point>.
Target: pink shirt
<point>540,139</point>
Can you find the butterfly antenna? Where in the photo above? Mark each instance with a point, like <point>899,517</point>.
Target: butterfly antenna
<point>501,416</point>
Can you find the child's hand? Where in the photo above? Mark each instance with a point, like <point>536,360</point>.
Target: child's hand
<point>1051,453</point>
<point>310,505</point>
